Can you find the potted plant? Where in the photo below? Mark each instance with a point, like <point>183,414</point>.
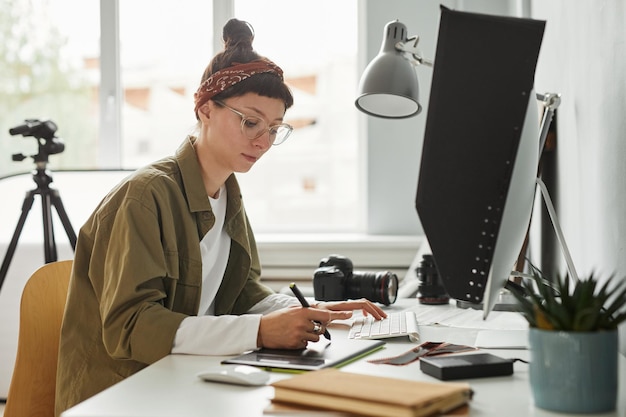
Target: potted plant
<point>573,341</point>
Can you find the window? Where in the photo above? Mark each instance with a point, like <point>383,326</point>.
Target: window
<point>311,182</point>
<point>164,48</point>
<point>51,70</point>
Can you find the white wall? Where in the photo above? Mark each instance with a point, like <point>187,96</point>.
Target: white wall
<point>583,57</point>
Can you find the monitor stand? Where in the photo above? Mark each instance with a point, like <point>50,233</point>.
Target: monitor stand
<point>506,302</point>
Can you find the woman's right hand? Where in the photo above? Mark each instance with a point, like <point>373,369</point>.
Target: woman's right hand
<point>293,328</point>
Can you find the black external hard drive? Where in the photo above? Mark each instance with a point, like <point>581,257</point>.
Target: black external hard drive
<point>477,365</point>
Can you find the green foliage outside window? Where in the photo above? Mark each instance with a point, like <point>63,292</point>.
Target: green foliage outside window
<point>38,80</point>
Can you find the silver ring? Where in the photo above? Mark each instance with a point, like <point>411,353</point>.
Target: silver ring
<point>317,328</point>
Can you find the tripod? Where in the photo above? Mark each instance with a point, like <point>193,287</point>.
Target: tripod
<point>49,196</point>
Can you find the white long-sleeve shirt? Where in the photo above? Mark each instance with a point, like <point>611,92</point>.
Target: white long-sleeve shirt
<point>207,334</point>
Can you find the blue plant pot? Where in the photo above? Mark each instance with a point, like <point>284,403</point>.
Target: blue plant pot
<point>574,372</point>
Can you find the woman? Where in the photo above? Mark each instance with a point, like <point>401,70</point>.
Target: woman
<point>167,263</point>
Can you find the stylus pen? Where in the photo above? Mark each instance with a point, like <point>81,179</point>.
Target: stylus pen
<point>305,304</point>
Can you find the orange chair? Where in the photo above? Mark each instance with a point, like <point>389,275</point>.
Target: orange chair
<point>32,388</point>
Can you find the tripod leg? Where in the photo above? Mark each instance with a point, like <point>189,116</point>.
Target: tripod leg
<point>26,206</point>
<point>50,249</point>
<point>58,204</point>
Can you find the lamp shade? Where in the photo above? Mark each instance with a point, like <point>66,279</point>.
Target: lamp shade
<point>388,86</point>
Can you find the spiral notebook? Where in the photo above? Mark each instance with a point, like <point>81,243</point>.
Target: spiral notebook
<point>319,355</point>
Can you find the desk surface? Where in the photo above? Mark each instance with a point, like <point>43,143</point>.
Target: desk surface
<point>170,387</point>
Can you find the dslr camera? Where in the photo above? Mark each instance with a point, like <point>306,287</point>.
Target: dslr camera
<point>44,132</point>
<point>431,289</point>
<point>335,280</point>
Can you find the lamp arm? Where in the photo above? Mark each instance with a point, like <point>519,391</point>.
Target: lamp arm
<point>410,47</point>
<point>550,102</point>
<point>557,229</point>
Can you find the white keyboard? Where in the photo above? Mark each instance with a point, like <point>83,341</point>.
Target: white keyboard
<point>394,325</point>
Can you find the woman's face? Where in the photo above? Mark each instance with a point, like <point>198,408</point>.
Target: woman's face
<point>224,141</point>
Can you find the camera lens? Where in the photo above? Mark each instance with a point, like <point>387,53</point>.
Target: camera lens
<point>379,287</point>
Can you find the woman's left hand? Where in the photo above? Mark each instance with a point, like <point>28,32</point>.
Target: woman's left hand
<point>366,306</point>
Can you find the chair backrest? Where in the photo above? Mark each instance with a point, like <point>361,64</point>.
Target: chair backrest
<point>32,388</point>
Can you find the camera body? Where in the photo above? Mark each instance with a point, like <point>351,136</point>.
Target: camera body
<point>336,280</point>
<point>431,289</point>
<point>44,132</point>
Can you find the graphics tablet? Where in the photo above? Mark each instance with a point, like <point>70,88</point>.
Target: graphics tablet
<point>319,355</point>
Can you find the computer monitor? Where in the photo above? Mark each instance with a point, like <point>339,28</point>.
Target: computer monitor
<point>477,175</point>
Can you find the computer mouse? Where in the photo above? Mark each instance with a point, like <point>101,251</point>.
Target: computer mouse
<point>235,374</point>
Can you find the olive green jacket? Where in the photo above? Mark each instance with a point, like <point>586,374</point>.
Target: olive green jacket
<point>138,270</point>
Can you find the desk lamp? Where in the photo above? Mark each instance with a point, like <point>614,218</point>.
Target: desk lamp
<point>388,86</point>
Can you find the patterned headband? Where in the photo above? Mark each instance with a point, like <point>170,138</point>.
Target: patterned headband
<point>227,77</point>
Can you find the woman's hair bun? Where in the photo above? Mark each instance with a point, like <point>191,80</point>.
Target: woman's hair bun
<point>238,33</point>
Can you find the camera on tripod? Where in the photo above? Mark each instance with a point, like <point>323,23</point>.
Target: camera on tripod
<point>335,280</point>
<point>44,132</point>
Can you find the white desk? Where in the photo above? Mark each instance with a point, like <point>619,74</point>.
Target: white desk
<point>170,388</point>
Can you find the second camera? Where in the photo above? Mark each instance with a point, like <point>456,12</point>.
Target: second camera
<point>335,280</point>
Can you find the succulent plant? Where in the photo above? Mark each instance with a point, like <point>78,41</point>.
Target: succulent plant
<point>585,306</point>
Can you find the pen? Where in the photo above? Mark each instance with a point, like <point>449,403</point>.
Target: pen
<point>305,304</point>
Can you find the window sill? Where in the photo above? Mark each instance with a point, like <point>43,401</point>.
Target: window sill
<point>294,257</point>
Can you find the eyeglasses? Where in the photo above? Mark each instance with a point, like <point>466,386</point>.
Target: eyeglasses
<point>253,127</point>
